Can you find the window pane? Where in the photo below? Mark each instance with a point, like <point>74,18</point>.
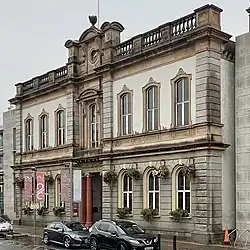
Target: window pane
<point>93,113</point>
<point>125,183</point>
<point>151,182</point>
<point>187,184</point>
<point>129,184</point>
<point>180,200</point>
<point>157,183</point>
<point>179,91</point>
<point>157,201</point>
<point>179,114</point>
<point>156,90</point>
<point>150,96</point>
<point>155,119</point>
<point>180,181</point>
<point>150,118</point>
<point>130,201</point>
<point>150,200</point>
<point>186,113</point>
<point>186,89</point>
<point>124,125</point>
<point>187,201</point>
<point>124,104</point>
<point>125,200</point>
<point>129,103</point>
<point>129,124</point>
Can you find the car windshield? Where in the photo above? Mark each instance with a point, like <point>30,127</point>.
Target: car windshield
<point>77,227</point>
<point>131,229</point>
<point>2,220</point>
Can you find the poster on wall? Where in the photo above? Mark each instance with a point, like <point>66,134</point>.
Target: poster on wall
<point>75,209</point>
<point>28,187</point>
<point>65,185</point>
<point>77,185</point>
<point>40,191</point>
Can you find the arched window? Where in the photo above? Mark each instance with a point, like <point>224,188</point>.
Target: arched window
<point>44,131</point>
<point>60,127</point>
<point>46,194</point>
<point>29,134</point>
<point>183,192</point>
<point>58,195</point>
<point>153,191</point>
<point>152,108</point>
<point>127,192</point>
<point>182,102</point>
<point>94,126</point>
<point>126,114</point>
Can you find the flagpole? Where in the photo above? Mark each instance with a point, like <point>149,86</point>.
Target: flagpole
<point>98,13</point>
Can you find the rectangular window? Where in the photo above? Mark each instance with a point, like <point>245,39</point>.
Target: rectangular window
<point>127,192</point>
<point>182,105</point>
<point>152,108</point>
<point>1,140</point>
<point>126,114</point>
<point>46,195</point>
<point>29,135</point>
<point>43,131</point>
<point>183,192</point>
<point>14,139</point>
<point>154,192</point>
<point>61,127</point>
<point>94,126</point>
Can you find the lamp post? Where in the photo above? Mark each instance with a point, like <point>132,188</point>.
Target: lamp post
<point>33,169</point>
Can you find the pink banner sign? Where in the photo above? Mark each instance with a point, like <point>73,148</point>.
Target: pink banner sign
<point>65,185</point>
<point>40,191</point>
<point>28,187</point>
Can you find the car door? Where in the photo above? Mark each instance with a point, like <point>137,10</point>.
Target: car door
<point>112,239</point>
<point>59,234</point>
<point>103,234</point>
<point>50,229</point>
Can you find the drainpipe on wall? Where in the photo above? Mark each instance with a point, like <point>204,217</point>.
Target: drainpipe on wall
<point>248,11</point>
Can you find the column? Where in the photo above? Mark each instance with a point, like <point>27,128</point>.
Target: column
<point>89,213</point>
<point>84,186</point>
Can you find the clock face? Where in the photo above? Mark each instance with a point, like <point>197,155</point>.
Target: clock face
<point>93,55</point>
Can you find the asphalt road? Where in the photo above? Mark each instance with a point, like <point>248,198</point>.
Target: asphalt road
<point>11,245</point>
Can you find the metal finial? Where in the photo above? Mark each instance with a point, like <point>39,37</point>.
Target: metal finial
<point>93,20</point>
<point>248,10</point>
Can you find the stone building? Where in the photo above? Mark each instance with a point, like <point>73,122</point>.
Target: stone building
<point>135,118</point>
<point>9,147</point>
<point>1,173</point>
<point>242,132</point>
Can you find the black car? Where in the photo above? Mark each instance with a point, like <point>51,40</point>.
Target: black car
<point>68,234</point>
<point>120,235</point>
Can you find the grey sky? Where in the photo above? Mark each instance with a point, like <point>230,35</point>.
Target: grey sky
<point>33,32</point>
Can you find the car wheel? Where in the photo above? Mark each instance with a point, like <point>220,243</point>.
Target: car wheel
<point>93,244</point>
<point>46,239</point>
<point>122,246</point>
<point>67,242</point>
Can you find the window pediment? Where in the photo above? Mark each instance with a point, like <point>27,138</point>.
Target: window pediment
<point>88,94</point>
<point>180,74</point>
<point>151,82</point>
<point>43,113</point>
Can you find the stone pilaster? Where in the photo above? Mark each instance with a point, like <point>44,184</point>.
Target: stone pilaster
<point>72,119</point>
<point>107,107</point>
<point>208,87</point>
<point>19,129</point>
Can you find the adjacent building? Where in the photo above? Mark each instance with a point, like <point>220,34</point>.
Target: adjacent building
<point>1,173</point>
<point>146,122</point>
<point>9,148</point>
<point>242,132</point>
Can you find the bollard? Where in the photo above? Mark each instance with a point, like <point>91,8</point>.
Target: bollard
<point>174,243</point>
<point>159,241</point>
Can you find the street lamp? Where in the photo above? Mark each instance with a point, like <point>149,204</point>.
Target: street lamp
<point>33,169</point>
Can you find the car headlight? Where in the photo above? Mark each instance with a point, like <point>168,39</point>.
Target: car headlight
<point>76,237</point>
<point>155,240</point>
<point>134,242</point>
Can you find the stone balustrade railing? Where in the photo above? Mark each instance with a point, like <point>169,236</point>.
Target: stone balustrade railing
<point>48,78</point>
<point>152,38</point>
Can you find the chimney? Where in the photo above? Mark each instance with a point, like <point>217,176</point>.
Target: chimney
<point>248,11</point>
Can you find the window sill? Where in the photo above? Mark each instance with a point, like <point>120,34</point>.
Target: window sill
<point>183,218</point>
<point>155,217</point>
<point>127,215</point>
